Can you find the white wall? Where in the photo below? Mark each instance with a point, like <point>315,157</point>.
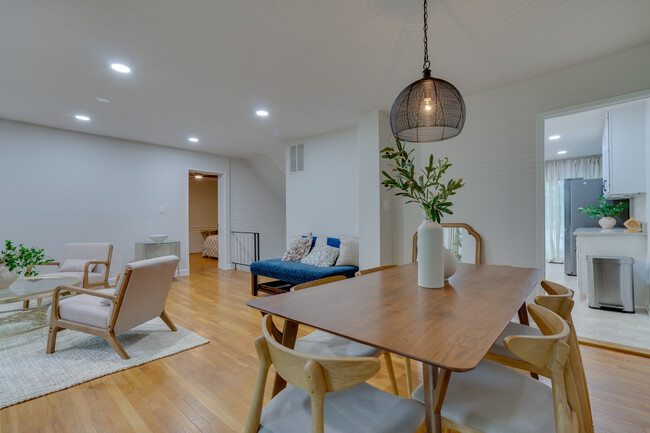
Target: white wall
<point>323,199</point>
<point>255,208</point>
<point>499,154</point>
<point>203,210</point>
<point>62,186</point>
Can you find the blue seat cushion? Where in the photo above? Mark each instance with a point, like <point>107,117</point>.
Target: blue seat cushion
<point>296,272</point>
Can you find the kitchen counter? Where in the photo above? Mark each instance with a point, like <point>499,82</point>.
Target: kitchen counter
<point>596,231</point>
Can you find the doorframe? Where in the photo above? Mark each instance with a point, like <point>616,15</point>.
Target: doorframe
<point>223,212</point>
<point>539,165</point>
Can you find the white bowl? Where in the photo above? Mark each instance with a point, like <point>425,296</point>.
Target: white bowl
<point>158,238</point>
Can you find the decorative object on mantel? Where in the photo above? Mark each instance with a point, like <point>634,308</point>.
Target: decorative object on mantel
<point>17,260</point>
<point>158,238</point>
<point>632,226</point>
<point>424,187</point>
<point>605,212</point>
<point>429,109</point>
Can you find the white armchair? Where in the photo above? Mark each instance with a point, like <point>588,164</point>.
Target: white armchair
<point>140,297</point>
<point>90,262</point>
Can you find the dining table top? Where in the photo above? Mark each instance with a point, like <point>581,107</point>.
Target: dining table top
<point>452,327</point>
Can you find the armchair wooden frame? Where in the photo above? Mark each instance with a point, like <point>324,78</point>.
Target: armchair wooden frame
<point>84,281</point>
<point>57,324</point>
<point>314,374</point>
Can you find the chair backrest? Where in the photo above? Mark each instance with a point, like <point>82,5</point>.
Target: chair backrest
<point>312,373</point>
<point>551,353</point>
<point>559,300</point>
<point>319,282</point>
<point>143,292</point>
<point>371,270</point>
<point>98,251</point>
<point>470,231</point>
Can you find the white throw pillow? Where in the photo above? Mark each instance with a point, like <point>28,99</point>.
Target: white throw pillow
<point>322,256</point>
<point>349,255</point>
<point>76,265</point>
<point>297,250</point>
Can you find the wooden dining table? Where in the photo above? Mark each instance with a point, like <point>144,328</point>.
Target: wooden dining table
<point>449,329</point>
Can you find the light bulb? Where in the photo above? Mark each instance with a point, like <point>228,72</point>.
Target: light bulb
<point>427,104</point>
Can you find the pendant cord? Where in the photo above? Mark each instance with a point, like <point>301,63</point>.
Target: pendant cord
<point>426,64</point>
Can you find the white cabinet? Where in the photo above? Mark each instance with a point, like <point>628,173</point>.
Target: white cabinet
<point>624,151</point>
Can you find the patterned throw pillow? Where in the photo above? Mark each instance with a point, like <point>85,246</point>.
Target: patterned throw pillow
<point>298,249</point>
<point>322,256</point>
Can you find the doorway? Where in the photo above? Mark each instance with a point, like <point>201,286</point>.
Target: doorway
<point>203,215</point>
<point>573,170</point>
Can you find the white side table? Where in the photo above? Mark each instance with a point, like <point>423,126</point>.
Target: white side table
<point>150,250</point>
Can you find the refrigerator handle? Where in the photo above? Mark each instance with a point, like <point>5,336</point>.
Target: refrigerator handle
<point>605,186</point>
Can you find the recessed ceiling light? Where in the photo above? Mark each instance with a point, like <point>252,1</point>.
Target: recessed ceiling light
<point>105,100</point>
<point>554,137</point>
<point>82,117</point>
<point>561,152</point>
<point>193,139</point>
<point>120,68</point>
<point>262,113</point>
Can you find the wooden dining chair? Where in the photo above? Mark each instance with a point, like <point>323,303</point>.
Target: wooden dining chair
<point>371,270</point>
<point>325,344</point>
<point>494,398</point>
<point>558,300</point>
<point>325,394</point>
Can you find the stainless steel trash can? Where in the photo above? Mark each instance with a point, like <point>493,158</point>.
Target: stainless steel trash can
<point>611,283</point>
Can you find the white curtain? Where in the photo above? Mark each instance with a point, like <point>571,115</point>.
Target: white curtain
<point>554,174</point>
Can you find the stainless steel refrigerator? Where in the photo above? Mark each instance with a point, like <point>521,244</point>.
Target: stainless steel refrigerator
<point>578,193</point>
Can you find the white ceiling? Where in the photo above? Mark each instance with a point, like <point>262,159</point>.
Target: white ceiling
<point>581,134</point>
<point>202,67</point>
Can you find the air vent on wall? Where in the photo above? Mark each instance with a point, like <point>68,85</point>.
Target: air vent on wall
<point>297,158</point>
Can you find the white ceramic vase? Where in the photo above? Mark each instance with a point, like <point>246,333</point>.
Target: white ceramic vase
<point>6,277</point>
<point>451,263</point>
<point>431,262</point>
<point>606,222</point>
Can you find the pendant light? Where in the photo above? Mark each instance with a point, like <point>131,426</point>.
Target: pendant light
<point>429,109</point>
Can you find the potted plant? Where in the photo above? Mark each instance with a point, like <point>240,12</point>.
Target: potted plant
<point>426,188</point>
<point>605,212</point>
<point>19,260</point>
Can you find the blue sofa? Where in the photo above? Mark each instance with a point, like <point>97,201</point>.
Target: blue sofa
<point>292,273</point>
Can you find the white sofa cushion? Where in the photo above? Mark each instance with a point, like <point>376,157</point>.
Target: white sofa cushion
<point>359,409</point>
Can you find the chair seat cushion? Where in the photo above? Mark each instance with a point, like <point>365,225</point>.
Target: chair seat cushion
<point>359,409</point>
<point>513,328</point>
<point>296,272</point>
<point>93,277</point>
<point>84,309</point>
<point>493,398</point>
<point>325,344</point>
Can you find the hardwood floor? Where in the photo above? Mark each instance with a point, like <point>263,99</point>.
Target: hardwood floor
<point>208,389</point>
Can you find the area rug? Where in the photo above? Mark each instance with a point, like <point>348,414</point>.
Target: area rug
<point>27,372</point>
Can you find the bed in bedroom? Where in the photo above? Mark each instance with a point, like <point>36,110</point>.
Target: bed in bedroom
<point>211,244</point>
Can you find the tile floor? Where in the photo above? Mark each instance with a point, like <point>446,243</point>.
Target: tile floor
<point>622,328</point>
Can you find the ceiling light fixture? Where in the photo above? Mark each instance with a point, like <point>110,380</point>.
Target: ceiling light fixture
<point>120,68</point>
<point>554,137</point>
<point>561,152</point>
<point>429,109</point>
<point>105,100</point>
<point>193,139</point>
<point>262,113</point>
<point>198,176</point>
<point>82,117</point>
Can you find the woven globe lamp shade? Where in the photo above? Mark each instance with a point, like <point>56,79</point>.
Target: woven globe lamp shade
<point>428,110</point>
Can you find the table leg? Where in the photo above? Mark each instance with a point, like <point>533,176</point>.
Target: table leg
<point>435,387</point>
<point>289,340</point>
<point>523,315</point>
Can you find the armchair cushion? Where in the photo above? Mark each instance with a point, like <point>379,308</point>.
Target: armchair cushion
<point>105,301</point>
<point>95,251</point>
<point>76,265</point>
<point>85,309</point>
